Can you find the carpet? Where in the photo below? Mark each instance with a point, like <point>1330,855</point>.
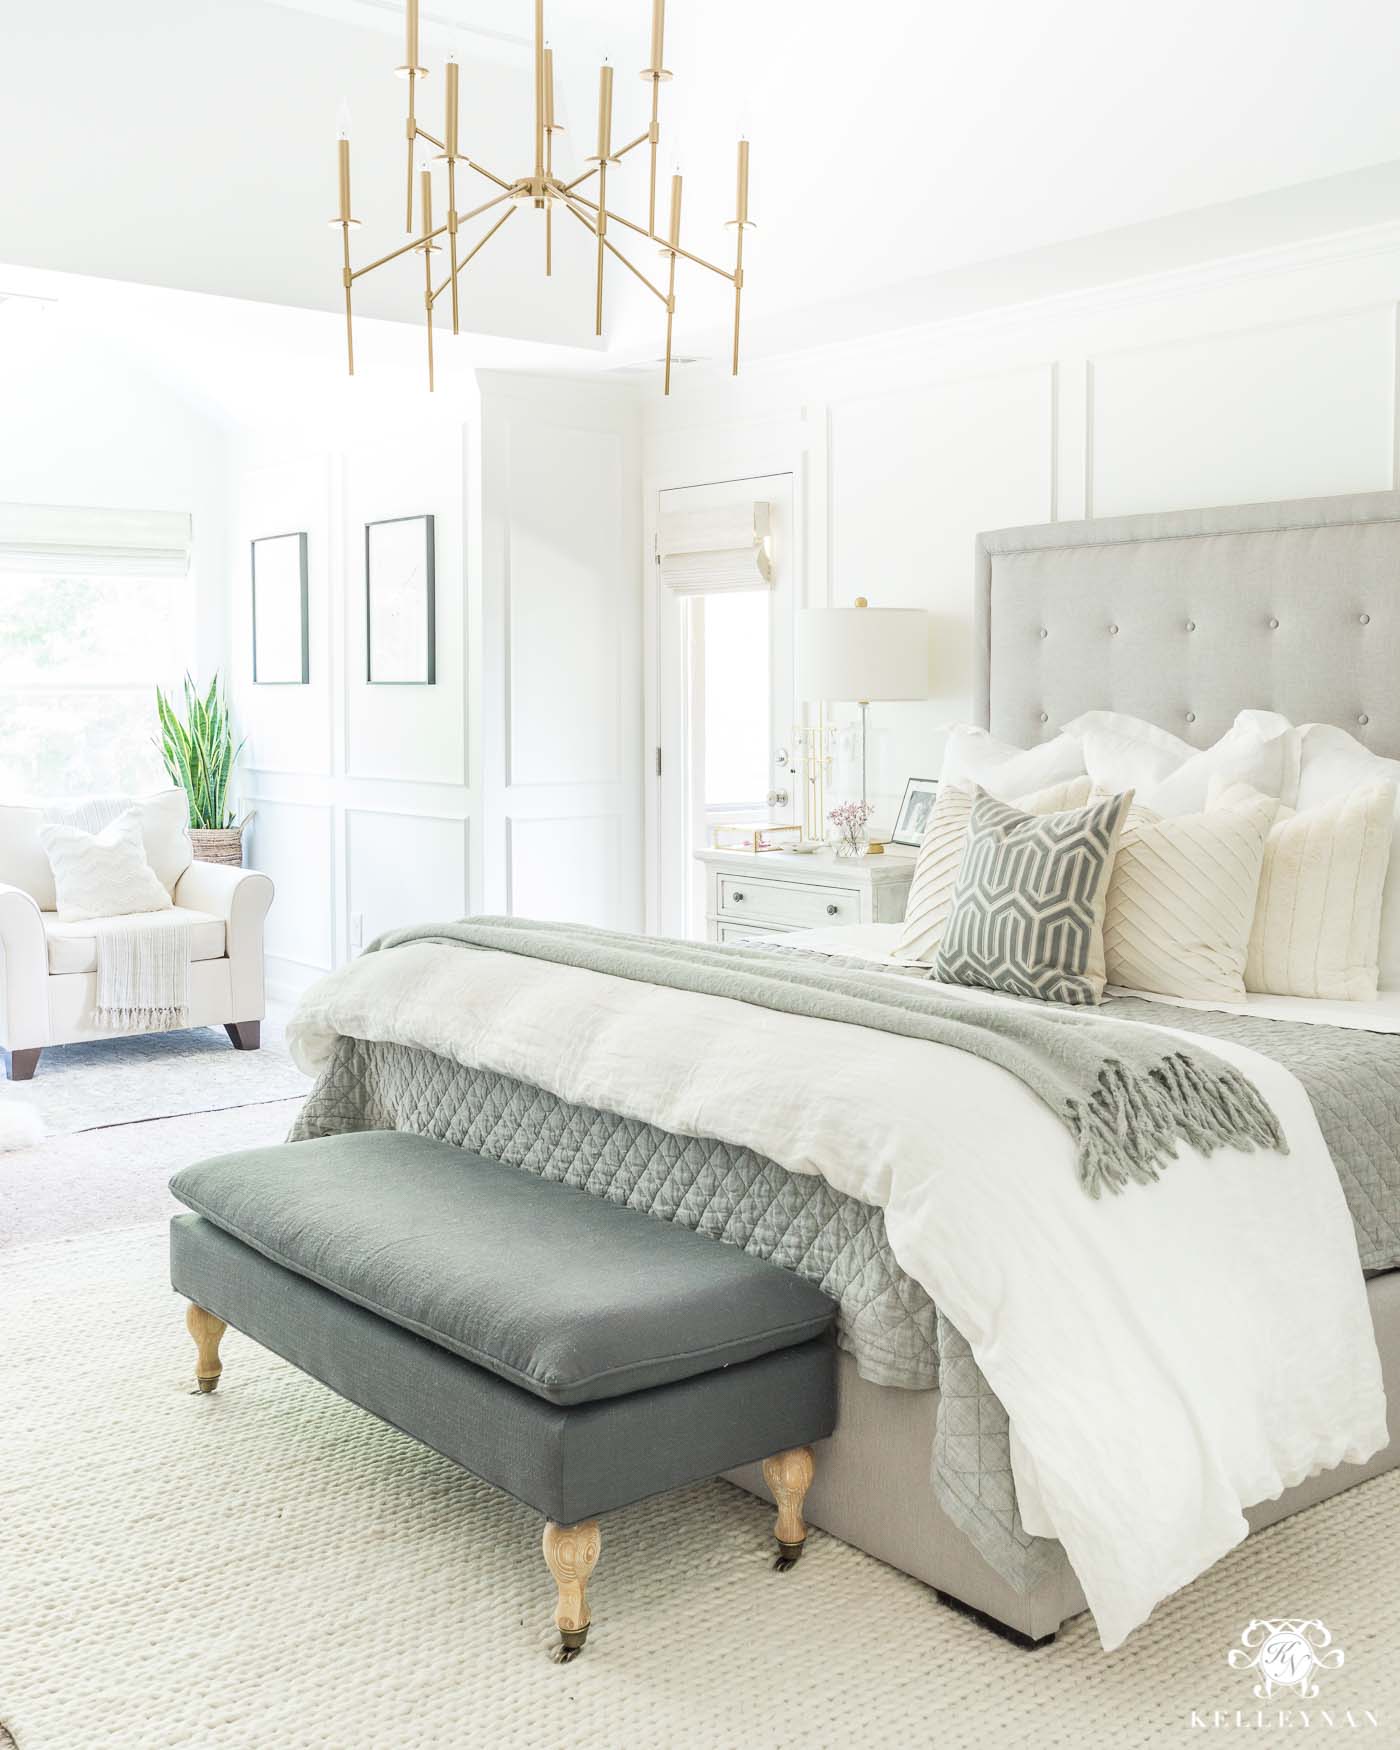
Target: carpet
<point>271,1567</point>
<point>155,1075</point>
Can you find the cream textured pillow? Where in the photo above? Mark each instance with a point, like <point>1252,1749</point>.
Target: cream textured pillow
<point>1182,898</point>
<point>1317,921</point>
<point>1170,776</point>
<point>102,874</point>
<point>974,756</point>
<point>940,858</point>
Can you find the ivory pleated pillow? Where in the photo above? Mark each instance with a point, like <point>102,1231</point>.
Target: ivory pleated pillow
<point>102,874</point>
<point>1317,919</point>
<point>940,858</point>
<point>1181,901</point>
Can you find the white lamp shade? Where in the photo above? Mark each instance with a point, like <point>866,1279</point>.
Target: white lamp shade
<point>862,653</point>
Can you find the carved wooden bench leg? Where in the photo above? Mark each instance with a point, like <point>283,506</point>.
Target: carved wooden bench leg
<point>572,1554</point>
<point>789,1476</point>
<point>206,1331</point>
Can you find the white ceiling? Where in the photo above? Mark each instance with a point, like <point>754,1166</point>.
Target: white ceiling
<point>907,157</point>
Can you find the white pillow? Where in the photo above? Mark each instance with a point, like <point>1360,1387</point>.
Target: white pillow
<point>973,756</point>
<point>164,818</point>
<point>1332,763</point>
<point>103,874</point>
<point>1169,776</point>
<point>1182,897</point>
<point>1318,916</point>
<point>941,854</point>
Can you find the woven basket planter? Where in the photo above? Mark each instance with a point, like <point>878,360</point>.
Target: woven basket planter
<point>217,845</point>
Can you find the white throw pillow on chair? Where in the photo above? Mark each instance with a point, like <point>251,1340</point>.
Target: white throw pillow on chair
<point>102,874</point>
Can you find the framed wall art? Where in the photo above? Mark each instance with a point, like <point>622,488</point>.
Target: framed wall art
<point>400,612</point>
<point>281,612</point>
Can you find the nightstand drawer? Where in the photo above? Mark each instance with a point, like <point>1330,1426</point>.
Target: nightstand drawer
<point>748,932</point>
<point>785,902</point>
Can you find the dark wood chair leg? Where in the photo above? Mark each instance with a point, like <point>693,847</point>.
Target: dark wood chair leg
<point>246,1035</point>
<point>22,1064</point>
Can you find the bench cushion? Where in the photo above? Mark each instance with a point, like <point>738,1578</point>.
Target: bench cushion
<point>555,1290</point>
<point>567,1463</point>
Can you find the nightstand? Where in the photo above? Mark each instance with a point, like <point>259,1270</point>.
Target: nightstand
<point>750,892</point>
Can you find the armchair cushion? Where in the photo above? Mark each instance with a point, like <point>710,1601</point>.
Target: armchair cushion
<point>73,947</point>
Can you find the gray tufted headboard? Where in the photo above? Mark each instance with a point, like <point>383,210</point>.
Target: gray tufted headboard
<point>1188,617</point>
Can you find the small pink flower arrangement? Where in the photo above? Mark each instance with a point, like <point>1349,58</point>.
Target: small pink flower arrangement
<point>850,820</point>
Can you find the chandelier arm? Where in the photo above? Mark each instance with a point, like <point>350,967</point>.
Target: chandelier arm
<point>569,187</point>
<point>452,238</point>
<point>485,207</point>
<point>612,248</point>
<point>490,175</point>
<point>670,319</point>
<point>600,226</point>
<point>738,292</point>
<point>641,230</point>
<point>549,205</point>
<point>423,134</point>
<point>403,249</point>
<point>412,75</point>
<point>632,145</point>
<point>480,244</point>
<point>654,136</point>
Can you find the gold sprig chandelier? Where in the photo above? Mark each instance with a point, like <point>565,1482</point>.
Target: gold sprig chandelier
<point>541,189</point>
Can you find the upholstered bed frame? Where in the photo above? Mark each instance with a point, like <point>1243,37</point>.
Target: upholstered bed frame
<point>1184,618</point>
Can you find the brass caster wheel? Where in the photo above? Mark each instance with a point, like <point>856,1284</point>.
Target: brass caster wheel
<point>570,1645</point>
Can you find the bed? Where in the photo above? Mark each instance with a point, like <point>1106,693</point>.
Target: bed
<point>1156,615</point>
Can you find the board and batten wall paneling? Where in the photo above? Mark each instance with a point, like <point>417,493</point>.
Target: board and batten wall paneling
<point>565,611</point>
<point>410,734</point>
<point>403,869</point>
<point>913,476</point>
<point>569,869</point>
<point>294,843</point>
<point>288,728</point>
<point>1296,410</point>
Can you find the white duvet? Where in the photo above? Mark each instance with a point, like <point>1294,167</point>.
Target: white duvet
<point>1167,1357</point>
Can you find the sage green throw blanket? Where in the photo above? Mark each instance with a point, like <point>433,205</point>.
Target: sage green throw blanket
<point>1128,1096</point>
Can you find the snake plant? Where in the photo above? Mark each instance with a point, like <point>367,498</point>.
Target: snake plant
<point>199,752</point>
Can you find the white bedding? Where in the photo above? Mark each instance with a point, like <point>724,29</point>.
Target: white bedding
<point>877,941</point>
<point>1167,1357</point>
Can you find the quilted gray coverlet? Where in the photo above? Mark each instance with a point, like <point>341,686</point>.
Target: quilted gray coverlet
<point>886,1321</point>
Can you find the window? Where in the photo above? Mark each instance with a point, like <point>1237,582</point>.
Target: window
<point>736,698</point>
<point>80,657</point>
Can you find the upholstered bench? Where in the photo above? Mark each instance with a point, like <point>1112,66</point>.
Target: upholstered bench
<point>575,1353</point>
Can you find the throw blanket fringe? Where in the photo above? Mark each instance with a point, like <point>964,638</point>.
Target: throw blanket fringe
<point>1128,1096</point>
<point>143,974</point>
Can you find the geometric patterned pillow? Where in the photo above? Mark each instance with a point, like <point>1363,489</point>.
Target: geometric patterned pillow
<point>1028,909</point>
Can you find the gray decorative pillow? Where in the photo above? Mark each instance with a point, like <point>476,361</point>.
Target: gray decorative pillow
<point>1028,909</point>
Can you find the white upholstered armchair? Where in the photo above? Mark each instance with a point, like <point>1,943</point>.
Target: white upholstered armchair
<point>48,969</point>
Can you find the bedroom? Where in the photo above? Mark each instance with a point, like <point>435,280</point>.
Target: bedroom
<point>573,689</point>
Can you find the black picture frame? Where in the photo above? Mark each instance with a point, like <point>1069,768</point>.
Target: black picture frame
<point>920,795</point>
<point>397,666</point>
<point>268,670</point>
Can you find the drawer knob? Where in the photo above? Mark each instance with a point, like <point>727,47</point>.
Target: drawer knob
<point>832,910</point>
<point>738,896</point>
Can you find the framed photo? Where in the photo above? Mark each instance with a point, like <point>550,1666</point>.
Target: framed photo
<point>400,612</point>
<point>281,646</point>
<point>920,794</point>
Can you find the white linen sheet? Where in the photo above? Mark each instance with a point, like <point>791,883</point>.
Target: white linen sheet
<point>1167,1357</point>
<point>877,942</point>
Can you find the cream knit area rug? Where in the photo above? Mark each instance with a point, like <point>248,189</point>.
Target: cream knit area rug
<point>269,1568</point>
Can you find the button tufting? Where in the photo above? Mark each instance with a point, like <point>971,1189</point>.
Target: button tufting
<point>1113,628</point>
<point>1273,625</point>
<point>1190,625</point>
<point>1045,631</point>
<point>1363,719</point>
<point>1365,619</point>
<point>1044,716</point>
<point>1190,716</point>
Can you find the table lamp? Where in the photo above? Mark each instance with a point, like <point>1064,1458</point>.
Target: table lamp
<point>865,655</point>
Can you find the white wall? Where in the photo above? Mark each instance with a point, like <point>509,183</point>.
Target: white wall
<point>1272,377</point>
<point>514,782</point>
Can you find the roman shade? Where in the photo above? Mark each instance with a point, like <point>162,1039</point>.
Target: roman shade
<point>701,552</point>
<point>73,539</point>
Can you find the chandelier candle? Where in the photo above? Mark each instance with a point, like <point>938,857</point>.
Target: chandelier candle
<point>541,190</point>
